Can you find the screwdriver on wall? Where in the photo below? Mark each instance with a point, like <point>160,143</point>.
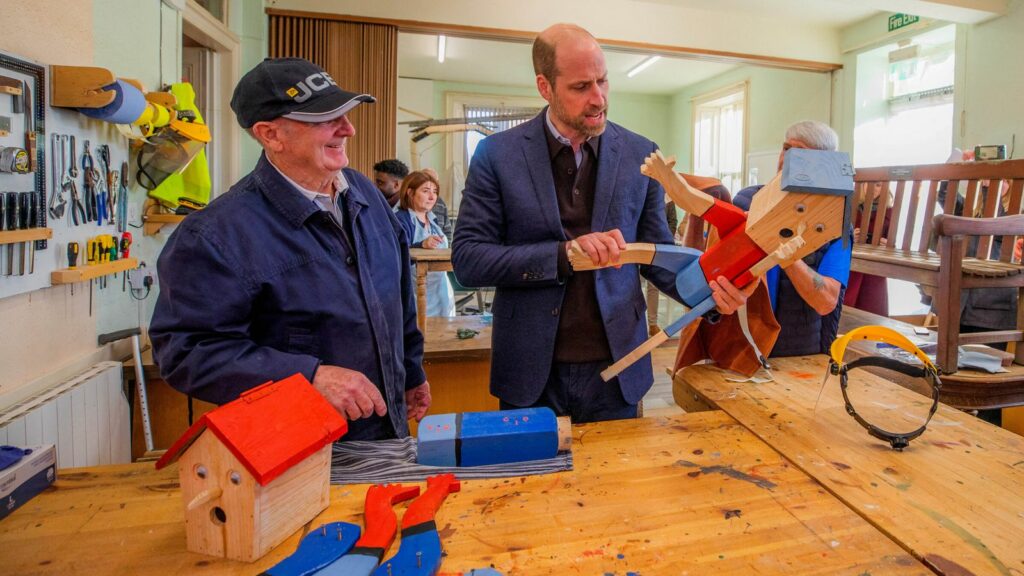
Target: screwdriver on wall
<point>11,200</point>
<point>72,260</point>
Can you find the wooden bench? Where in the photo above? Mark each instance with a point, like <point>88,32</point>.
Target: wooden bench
<point>932,250</point>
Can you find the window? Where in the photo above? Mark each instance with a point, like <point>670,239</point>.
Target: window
<point>460,147</point>
<point>719,135</point>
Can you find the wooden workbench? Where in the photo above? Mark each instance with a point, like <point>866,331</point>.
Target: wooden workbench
<point>459,372</point>
<point>954,498</point>
<point>693,493</point>
<point>424,260</point>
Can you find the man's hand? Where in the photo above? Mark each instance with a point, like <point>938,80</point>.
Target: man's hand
<point>431,242</point>
<point>728,297</point>
<point>602,247</point>
<point>417,401</point>
<point>350,392</point>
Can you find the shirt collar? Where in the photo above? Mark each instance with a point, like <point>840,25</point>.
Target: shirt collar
<point>340,185</point>
<point>555,138</point>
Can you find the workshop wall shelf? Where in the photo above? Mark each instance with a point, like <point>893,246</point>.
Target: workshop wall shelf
<point>83,273</point>
<point>153,220</point>
<point>28,235</point>
<point>152,223</point>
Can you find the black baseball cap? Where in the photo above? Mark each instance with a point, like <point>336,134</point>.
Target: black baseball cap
<point>294,88</point>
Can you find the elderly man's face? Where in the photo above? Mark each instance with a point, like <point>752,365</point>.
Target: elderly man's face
<point>579,96</point>
<point>791,143</point>
<point>319,148</point>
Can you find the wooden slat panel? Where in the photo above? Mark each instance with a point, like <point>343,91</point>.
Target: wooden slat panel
<point>1005,169</point>
<point>1013,207</point>
<point>952,189</point>
<point>881,204</point>
<point>897,213</point>
<point>970,208</point>
<point>860,193</point>
<point>926,225</point>
<point>993,202</point>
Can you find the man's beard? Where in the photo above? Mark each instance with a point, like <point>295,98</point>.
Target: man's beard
<point>579,123</point>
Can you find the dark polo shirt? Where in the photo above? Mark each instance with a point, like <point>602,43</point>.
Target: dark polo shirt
<point>581,336</point>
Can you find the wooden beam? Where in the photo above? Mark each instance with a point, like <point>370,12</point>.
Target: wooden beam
<point>524,36</point>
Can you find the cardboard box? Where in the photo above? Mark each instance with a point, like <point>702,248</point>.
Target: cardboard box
<point>30,476</point>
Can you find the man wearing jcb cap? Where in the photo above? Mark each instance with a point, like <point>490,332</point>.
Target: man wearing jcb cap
<point>300,267</point>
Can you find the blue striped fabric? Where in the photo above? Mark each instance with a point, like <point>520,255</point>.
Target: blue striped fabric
<point>380,461</point>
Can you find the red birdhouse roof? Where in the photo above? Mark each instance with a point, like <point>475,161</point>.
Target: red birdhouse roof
<point>269,428</point>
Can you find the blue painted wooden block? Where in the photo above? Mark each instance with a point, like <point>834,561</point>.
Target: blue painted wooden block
<point>479,438</point>
<point>508,436</point>
<point>436,440</point>
<point>817,172</point>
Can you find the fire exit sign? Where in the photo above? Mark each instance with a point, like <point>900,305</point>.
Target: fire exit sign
<point>897,21</point>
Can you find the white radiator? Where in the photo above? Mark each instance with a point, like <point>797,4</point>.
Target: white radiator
<point>86,417</point>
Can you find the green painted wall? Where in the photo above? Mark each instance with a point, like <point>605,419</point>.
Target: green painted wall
<point>993,71</point>
<point>776,99</point>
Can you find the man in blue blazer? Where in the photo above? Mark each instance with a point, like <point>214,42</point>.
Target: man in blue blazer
<point>566,174</point>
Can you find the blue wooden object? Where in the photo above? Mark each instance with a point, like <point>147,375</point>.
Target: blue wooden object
<point>419,555</point>
<point>479,438</point>
<point>436,440</point>
<point>508,436</point>
<point>317,549</point>
<point>820,172</point>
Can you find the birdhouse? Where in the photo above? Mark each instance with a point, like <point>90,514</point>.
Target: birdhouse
<point>257,469</point>
<point>810,198</point>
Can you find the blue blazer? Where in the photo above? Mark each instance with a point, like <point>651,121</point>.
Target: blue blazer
<point>509,233</point>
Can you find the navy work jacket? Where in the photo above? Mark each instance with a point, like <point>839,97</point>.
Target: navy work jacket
<point>262,284</point>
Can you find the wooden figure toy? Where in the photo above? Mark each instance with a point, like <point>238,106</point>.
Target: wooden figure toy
<point>420,550</point>
<point>381,525</point>
<point>257,469</point>
<point>802,208</point>
<point>499,437</point>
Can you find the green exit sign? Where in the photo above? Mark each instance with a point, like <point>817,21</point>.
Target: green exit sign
<point>897,21</point>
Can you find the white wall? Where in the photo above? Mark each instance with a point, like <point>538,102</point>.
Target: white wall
<point>639,21</point>
<point>49,334</point>
<point>993,68</point>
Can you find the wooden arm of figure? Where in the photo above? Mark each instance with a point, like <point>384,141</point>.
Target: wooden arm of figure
<point>685,196</point>
<point>639,352</point>
<point>635,253</point>
<point>783,255</point>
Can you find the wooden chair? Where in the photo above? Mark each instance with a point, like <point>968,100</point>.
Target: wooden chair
<point>908,253</point>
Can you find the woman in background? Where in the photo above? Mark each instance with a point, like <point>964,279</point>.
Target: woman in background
<point>417,197</point>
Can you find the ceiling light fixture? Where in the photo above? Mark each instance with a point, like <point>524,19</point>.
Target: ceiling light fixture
<point>441,41</point>
<point>642,66</point>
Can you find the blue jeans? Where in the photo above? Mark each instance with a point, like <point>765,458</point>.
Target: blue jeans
<point>577,391</point>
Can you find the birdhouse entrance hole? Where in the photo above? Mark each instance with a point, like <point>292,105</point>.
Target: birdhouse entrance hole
<point>218,516</point>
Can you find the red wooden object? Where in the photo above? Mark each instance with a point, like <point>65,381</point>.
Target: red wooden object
<point>269,428</point>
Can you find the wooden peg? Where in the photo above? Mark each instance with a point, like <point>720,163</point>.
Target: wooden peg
<point>165,99</point>
<point>80,86</point>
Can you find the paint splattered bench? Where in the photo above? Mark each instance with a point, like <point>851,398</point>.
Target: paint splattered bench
<point>693,493</point>
<point>953,499</point>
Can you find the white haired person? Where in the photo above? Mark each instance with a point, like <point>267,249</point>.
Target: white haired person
<point>807,296</point>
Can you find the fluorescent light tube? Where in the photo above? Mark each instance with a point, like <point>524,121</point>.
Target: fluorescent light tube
<point>642,66</point>
<point>441,41</point>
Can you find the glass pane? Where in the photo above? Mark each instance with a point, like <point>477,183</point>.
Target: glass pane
<point>214,7</point>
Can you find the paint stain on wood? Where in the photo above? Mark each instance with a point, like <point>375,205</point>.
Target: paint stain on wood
<point>967,537</point>
<point>804,375</point>
<point>446,532</point>
<point>946,566</point>
<point>727,514</point>
<point>730,472</point>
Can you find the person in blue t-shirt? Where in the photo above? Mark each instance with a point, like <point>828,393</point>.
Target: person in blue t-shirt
<point>807,296</point>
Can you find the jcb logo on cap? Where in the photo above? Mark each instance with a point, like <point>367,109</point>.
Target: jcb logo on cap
<point>313,83</point>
